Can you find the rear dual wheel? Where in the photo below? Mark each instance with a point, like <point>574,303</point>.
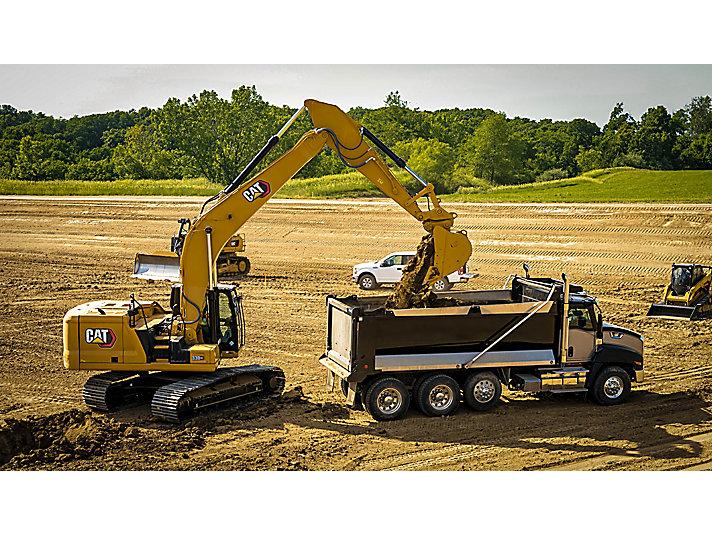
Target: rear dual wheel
<point>482,390</point>
<point>438,395</point>
<point>387,399</point>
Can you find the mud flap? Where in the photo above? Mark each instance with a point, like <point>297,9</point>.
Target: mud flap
<point>330,375</point>
<point>158,266</point>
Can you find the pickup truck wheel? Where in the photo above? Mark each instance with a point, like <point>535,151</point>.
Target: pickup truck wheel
<point>387,399</point>
<point>438,395</point>
<point>367,281</point>
<point>442,285</point>
<point>482,390</point>
<point>612,386</point>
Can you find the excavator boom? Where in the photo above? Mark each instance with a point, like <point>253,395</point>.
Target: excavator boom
<point>234,206</point>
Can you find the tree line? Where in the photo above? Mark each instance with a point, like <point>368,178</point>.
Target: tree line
<point>214,138</point>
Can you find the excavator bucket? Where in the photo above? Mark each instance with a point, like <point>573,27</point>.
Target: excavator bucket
<point>671,311</point>
<point>452,250</point>
<point>159,266</point>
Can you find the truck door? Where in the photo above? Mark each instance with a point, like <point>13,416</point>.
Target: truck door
<point>582,335</point>
<point>390,268</point>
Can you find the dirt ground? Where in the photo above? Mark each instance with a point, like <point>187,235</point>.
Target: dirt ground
<point>59,252</point>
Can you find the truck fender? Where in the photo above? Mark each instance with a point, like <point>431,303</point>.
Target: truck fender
<point>608,355</point>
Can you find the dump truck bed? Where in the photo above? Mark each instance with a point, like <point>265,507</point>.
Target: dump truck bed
<point>364,337</point>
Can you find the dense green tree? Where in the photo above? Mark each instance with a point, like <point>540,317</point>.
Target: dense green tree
<point>496,153</point>
<point>432,160</point>
<point>655,138</point>
<point>142,156</point>
<point>617,135</point>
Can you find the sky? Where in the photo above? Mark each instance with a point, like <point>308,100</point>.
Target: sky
<point>559,92</point>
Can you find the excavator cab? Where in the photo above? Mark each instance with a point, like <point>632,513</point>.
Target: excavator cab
<point>223,321</point>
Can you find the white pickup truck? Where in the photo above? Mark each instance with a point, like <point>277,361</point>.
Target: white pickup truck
<point>372,274</point>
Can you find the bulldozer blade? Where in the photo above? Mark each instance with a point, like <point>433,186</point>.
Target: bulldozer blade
<point>158,266</point>
<point>452,250</point>
<point>670,311</point>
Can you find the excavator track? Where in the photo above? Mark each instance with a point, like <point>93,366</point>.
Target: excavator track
<point>107,391</point>
<point>181,399</point>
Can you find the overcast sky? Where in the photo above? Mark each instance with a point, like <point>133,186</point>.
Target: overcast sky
<point>560,92</point>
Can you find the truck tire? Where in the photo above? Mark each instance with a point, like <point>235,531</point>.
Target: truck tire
<point>482,390</point>
<point>438,395</point>
<point>387,399</point>
<point>442,285</point>
<point>367,281</point>
<point>612,386</point>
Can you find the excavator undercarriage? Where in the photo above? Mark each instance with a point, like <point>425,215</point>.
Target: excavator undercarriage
<point>178,396</point>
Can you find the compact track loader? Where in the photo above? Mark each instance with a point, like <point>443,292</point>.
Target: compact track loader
<point>687,296</point>
<point>172,355</point>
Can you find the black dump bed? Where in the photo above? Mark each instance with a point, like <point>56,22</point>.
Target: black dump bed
<point>363,337</point>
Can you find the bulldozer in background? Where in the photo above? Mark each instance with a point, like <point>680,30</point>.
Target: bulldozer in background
<point>230,263</point>
<point>687,296</point>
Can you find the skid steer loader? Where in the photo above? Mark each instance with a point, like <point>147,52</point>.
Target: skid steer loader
<point>687,296</point>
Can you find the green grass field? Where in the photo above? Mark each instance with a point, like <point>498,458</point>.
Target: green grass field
<point>192,187</point>
<point>606,185</point>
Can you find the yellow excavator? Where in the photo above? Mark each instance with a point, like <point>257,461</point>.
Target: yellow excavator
<point>687,296</point>
<point>172,356</point>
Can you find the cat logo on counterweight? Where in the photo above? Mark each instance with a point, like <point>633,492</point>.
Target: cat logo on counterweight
<point>103,337</point>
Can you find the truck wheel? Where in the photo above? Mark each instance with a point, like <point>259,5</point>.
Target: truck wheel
<point>442,285</point>
<point>438,395</point>
<point>367,281</point>
<point>612,386</point>
<point>482,390</point>
<point>387,399</point>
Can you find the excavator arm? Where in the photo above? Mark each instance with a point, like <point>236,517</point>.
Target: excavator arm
<point>232,207</point>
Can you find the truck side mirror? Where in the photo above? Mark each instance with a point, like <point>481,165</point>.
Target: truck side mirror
<point>599,326</point>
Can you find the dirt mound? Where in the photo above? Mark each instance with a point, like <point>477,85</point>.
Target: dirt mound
<point>410,291</point>
<point>58,437</point>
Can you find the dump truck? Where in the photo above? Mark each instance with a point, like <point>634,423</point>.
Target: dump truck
<point>687,296</point>
<point>535,335</point>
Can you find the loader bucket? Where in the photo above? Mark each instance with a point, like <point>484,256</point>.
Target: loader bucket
<point>158,266</point>
<point>670,311</point>
<point>452,250</point>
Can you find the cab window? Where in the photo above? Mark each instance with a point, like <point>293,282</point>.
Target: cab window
<point>227,331</point>
<point>580,318</point>
<point>390,261</point>
<point>405,259</point>
<point>697,274</point>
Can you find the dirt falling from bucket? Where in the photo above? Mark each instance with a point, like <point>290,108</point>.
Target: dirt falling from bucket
<point>410,292</point>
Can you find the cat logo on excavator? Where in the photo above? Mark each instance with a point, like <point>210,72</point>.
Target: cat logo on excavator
<point>103,337</point>
<point>257,190</point>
